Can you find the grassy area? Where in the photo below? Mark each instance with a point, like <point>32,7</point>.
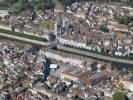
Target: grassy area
<point>22,35</point>
<point>50,25</point>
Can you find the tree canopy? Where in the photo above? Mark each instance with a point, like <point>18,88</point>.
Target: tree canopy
<point>20,5</point>
<point>41,4</point>
<point>125,20</point>
<point>104,28</point>
<point>10,1</point>
<point>67,2</point>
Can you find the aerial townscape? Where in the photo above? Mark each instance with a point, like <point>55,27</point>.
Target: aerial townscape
<point>66,49</point>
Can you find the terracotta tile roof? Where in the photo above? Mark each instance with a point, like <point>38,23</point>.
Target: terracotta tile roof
<point>77,75</point>
<point>70,74</point>
<point>92,81</point>
<point>86,81</point>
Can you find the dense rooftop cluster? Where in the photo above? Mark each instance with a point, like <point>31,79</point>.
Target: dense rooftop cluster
<point>19,64</point>
<point>94,27</point>
<point>29,73</point>
<point>84,25</point>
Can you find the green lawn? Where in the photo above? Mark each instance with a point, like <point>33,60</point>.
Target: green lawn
<point>22,35</point>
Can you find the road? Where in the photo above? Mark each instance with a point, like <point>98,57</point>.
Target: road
<point>70,50</point>
<point>89,54</point>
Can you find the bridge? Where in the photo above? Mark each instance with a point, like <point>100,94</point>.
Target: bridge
<point>70,50</point>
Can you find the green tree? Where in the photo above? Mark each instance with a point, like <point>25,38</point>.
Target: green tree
<point>119,96</point>
<point>24,4</point>
<point>67,2</point>
<point>104,28</point>
<point>20,6</point>
<point>44,4</point>
<point>124,19</point>
<point>10,1</point>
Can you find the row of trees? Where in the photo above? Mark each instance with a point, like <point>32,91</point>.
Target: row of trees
<point>43,4</point>
<point>68,2</point>
<point>127,20</point>
<point>20,5</point>
<point>7,3</point>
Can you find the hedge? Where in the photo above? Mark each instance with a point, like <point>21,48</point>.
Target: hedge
<point>20,34</point>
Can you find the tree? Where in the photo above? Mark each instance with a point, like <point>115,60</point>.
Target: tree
<point>124,19</point>
<point>10,1</point>
<point>24,4</point>
<point>20,6</point>
<point>66,2</point>
<point>119,96</point>
<point>104,28</point>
